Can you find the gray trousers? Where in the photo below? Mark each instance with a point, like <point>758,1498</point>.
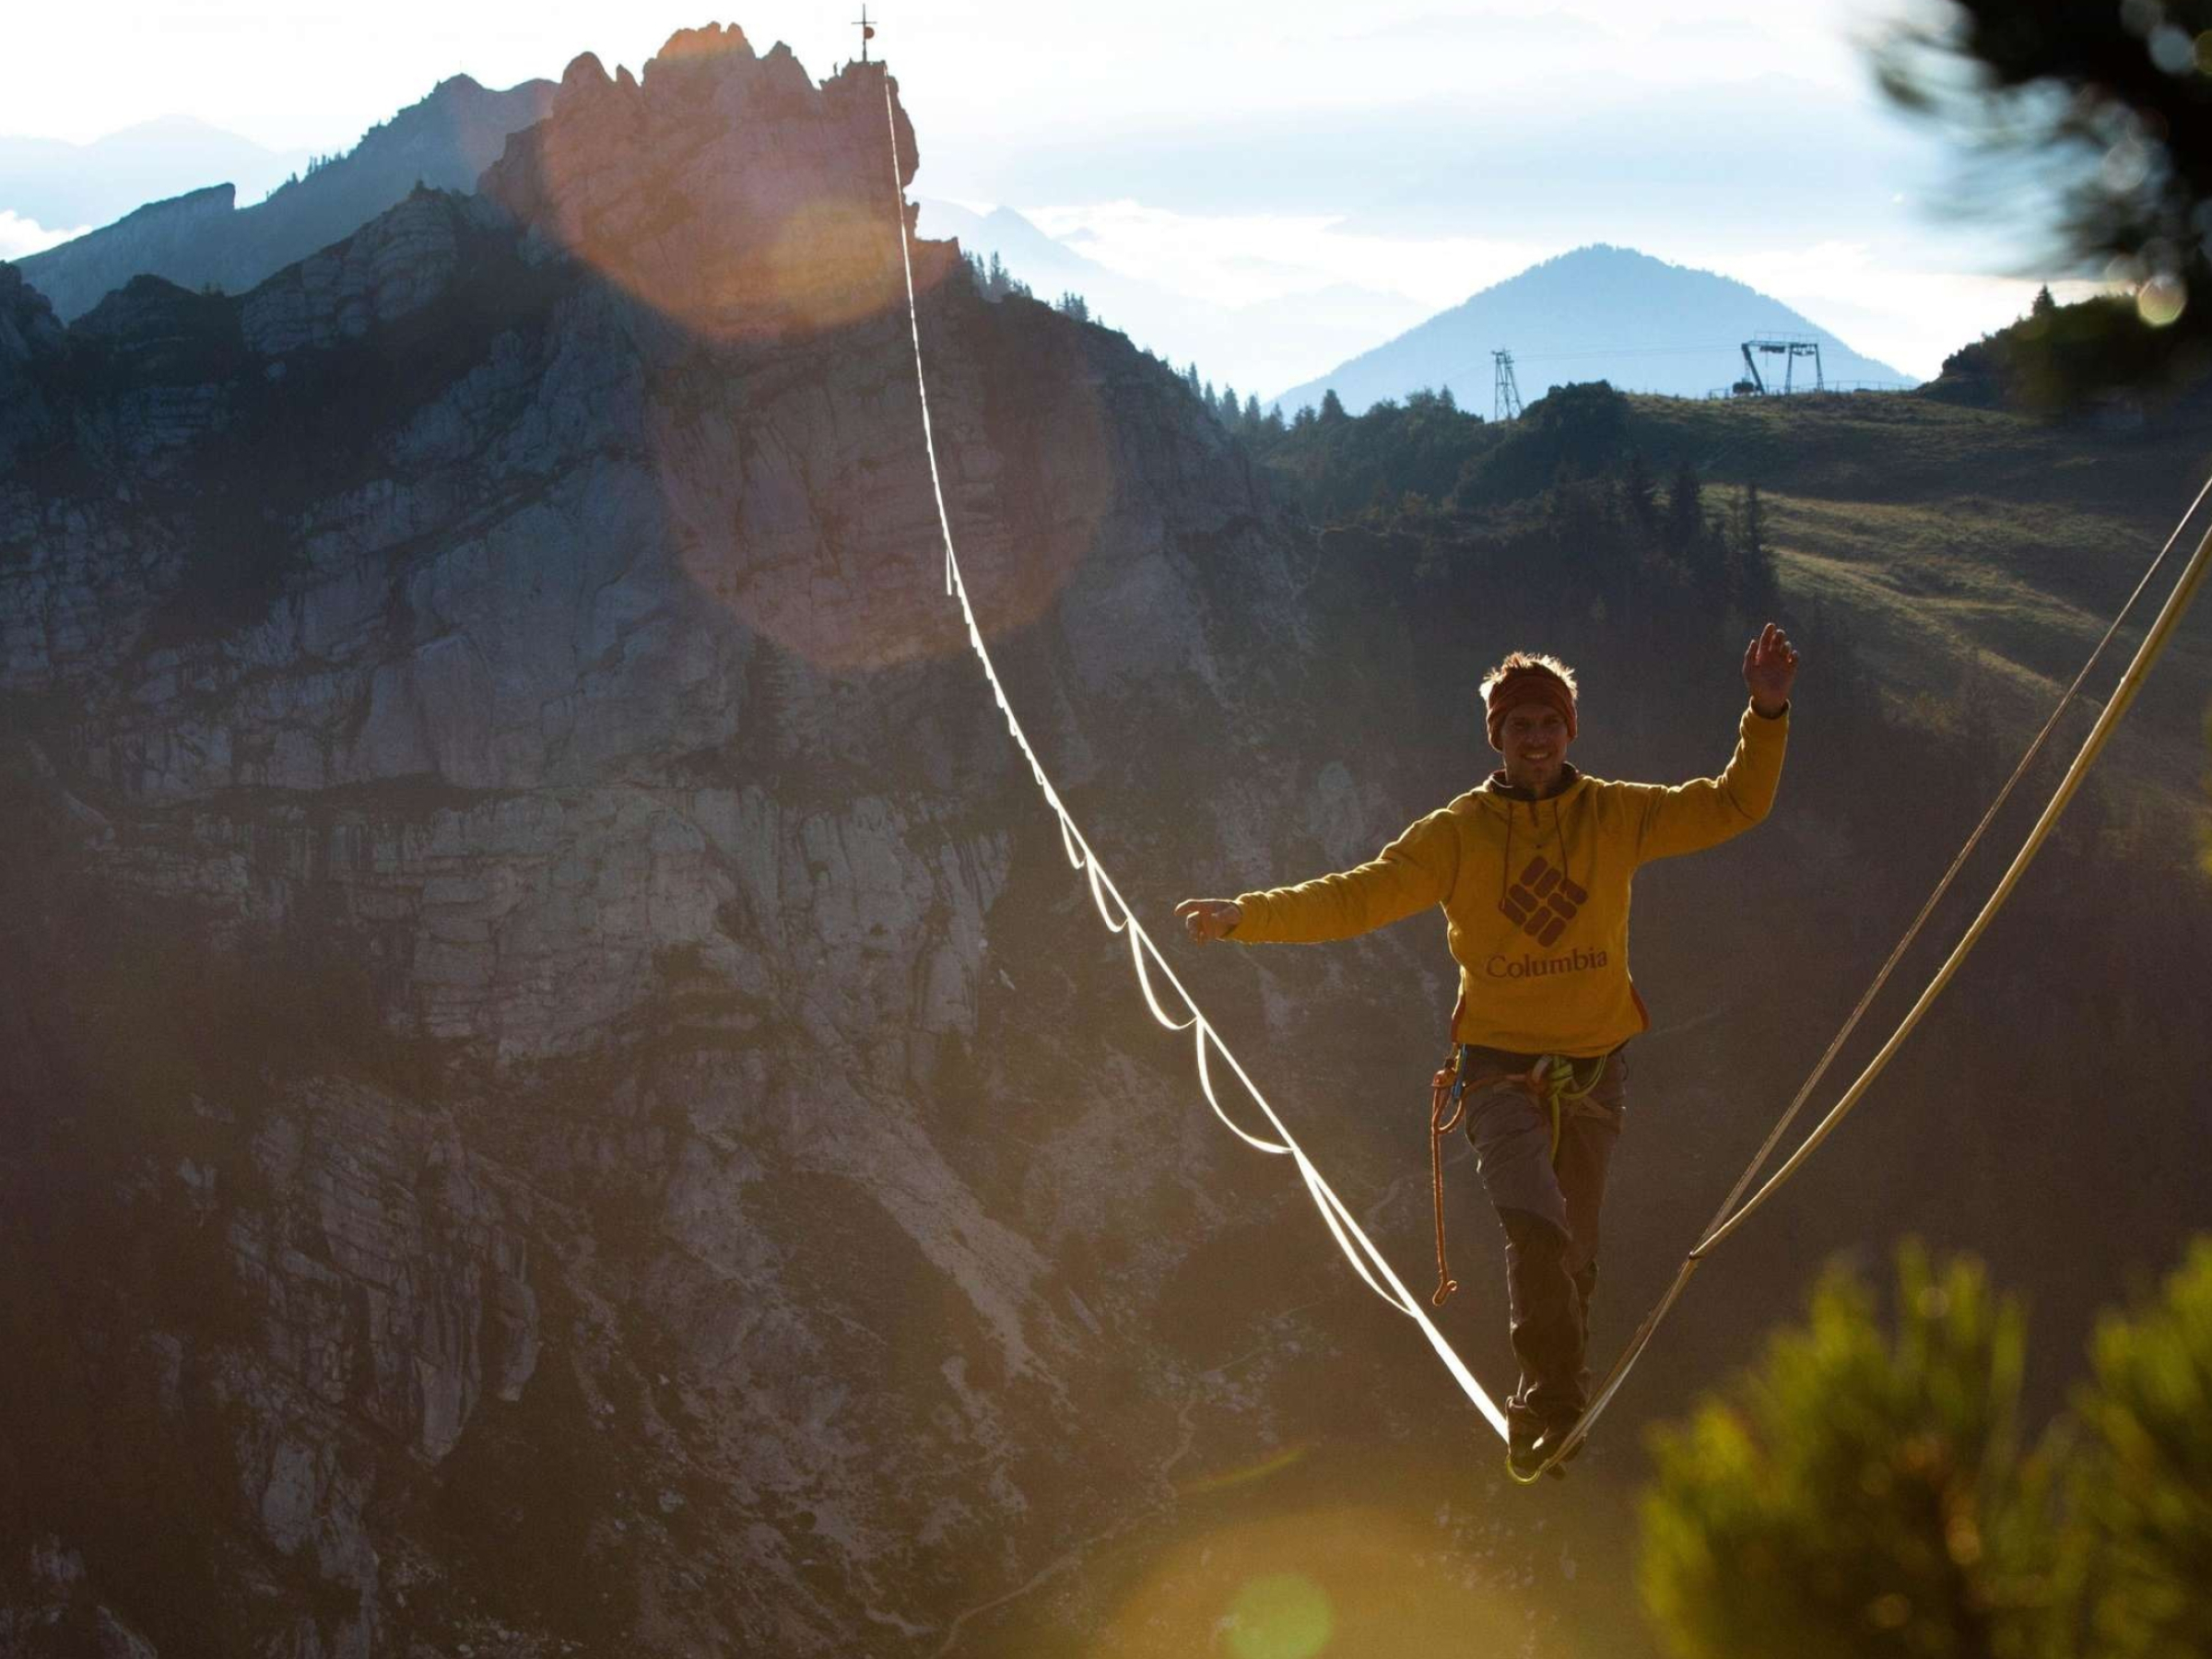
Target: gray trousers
<point>1549,1207</point>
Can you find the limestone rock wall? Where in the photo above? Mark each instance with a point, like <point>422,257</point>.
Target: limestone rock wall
<point>535,928</point>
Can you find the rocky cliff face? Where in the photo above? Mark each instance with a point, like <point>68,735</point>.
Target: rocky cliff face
<point>557,1097</point>
<point>203,240</point>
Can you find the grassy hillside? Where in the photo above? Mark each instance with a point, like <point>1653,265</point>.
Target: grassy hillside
<point>1960,544</point>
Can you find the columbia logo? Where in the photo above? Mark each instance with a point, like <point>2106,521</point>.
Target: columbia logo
<point>1543,902</point>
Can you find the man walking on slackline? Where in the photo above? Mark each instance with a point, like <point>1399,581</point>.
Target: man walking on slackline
<point>1533,870</point>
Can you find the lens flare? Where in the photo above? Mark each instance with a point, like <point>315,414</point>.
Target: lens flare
<point>763,215</point>
<point>726,190</point>
<point>1280,1616</point>
<point>799,497</point>
<point>1334,1584</point>
<point>2161,300</point>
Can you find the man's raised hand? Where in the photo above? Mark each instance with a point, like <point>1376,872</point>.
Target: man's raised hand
<point>1769,669</point>
<point>1207,920</point>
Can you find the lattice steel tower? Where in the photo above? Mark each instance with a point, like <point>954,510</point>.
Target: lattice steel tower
<point>1505,402</point>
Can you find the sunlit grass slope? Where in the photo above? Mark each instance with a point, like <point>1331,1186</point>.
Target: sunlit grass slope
<point>1966,545</point>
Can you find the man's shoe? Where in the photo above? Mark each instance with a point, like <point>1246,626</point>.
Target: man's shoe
<point>1523,1458</point>
<point>1528,1448</point>
<point>1548,1443</point>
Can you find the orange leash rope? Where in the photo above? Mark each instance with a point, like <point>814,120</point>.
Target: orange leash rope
<point>1443,1096</point>
<point>1447,1106</point>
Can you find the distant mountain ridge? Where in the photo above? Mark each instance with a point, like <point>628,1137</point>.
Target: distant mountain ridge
<point>1599,313</point>
<point>61,186</point>
<point>204,238</point>
<point>1249,347</point>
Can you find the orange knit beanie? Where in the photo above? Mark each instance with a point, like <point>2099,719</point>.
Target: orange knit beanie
<point>1527,685</point>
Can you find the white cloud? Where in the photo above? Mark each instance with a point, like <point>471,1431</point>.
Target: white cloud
<point>20,236</point>
<point>990,67</point>
<point>1245,259</point>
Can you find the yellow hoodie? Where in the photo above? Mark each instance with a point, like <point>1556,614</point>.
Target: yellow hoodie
<point>1534,892</point>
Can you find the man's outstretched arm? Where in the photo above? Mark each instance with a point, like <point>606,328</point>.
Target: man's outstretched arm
<point>1707,811</point>
<point>1207,920</point>
<point>1411,874</point>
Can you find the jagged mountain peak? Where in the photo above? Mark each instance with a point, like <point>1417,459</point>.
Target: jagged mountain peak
<point>726,187</point>
<point>203,239</point>
<point>458,116</point>
<point>708,40</point>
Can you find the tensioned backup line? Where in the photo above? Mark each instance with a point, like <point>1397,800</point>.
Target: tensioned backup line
<point>1367,1261</point>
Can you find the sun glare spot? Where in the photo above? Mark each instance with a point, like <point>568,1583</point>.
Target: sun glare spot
<point>2161,300</point>
<point>826,266</point>
<point>811,519</point>
<point>1308,1584</point>
<point>760,214</point>
<point>726,190</point>
<point>742,271</point>
<point>1280,1616</point>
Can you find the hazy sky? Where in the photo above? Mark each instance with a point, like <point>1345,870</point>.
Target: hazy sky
<point>1235,152</point>
<point>313,75</point>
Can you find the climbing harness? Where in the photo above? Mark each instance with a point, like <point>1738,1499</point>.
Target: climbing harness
<point>1551,1082</point>
<point>1367,1261</point>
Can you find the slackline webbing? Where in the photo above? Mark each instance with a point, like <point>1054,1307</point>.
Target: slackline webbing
<point>1367,1261</point>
